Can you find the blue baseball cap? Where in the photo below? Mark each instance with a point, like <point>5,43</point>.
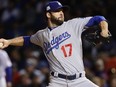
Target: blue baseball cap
<point>54,6</point>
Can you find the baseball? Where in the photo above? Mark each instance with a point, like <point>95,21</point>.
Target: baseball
<point>1,44</point>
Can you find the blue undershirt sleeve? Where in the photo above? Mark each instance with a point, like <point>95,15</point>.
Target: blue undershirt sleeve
<point>95,21</point>
<point>27,41</point>
<point>8,74</point>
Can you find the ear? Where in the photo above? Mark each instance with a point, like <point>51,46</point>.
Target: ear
<point>48,15</point>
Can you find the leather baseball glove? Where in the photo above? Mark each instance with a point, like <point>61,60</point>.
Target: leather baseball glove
<point>94,37</point>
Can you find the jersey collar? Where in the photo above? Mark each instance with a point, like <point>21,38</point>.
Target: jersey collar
<point>51,28</point>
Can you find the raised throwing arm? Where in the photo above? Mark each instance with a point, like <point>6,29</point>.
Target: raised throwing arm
<point>101,21</point>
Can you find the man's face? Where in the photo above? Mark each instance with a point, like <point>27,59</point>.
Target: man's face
<point>57,17</point>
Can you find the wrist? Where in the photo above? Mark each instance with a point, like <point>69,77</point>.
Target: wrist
<point>9,42</point>
<point>104,33</point>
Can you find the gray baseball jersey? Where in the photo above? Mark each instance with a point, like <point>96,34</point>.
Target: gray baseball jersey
<point>4,62</point>
<point>62,46</point>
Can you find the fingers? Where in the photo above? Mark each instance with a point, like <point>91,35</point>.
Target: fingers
<point>4,46</point>
<point>104,34</point>
<point>1,40</point>
<point>3,43</point>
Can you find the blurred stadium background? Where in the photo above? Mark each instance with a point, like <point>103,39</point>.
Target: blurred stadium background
<point>30,68</point>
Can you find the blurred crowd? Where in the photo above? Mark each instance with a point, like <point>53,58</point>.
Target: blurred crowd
<point>30,67</point>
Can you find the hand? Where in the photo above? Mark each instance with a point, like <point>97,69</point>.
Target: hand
<point>104,29</point>
<point>105,34</point>
<point>5,42</point>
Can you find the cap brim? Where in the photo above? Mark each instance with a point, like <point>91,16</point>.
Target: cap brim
<point>65,8</point>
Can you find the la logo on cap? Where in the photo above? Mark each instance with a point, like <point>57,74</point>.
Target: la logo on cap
<point>48,8</point>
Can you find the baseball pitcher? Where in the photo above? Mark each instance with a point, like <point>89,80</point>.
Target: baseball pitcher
<point>62,45</point>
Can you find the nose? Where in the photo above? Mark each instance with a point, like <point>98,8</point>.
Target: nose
<point>61,13</point>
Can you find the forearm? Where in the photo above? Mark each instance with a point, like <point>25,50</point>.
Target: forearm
<point>101,21</point>
<point>18,41</point>
<point>95,21</point>
<point>104,26</point>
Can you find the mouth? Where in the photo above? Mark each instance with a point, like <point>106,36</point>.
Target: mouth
<point>60,18</point>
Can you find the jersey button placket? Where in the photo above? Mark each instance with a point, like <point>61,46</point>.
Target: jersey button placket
<point>51,37</point>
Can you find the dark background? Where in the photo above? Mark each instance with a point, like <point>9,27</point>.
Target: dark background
<point>25,17</point>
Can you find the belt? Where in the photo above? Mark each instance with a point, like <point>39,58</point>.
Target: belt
<point>68,77</point>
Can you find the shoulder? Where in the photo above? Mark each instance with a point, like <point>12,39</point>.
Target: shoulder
<point>79,19</point>
<point>42,31</point>
<point>3,52</point>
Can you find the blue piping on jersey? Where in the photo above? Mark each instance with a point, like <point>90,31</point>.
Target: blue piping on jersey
<point>8,74</point>
<point>55,42</point>
<point>95,21</point>
<point>51,28</point>
<point>26,40</point>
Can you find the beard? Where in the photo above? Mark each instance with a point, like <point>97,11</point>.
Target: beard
<point>56,21</point>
